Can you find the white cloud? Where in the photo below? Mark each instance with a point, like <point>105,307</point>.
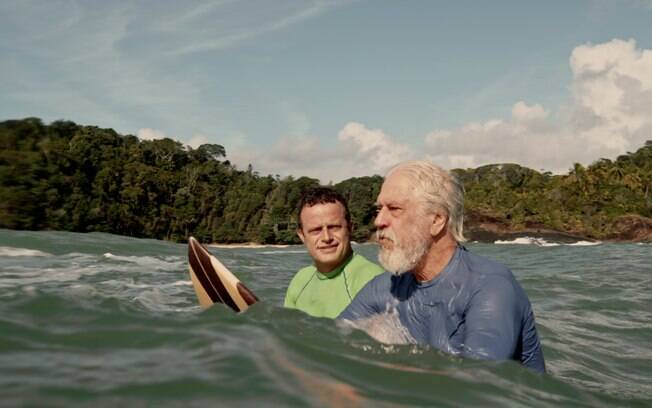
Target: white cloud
<point>372,148</point>
<point>609,113</point>
<point>150,134</point>
<point>197,140</point>
<point>290,155</point>
<point>528,138</point>
<point>357,151</point>
<point>521,112</point>
<point>153,134</point>
<point>613,93</point>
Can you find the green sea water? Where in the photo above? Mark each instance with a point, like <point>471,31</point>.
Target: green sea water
<point>104,320</point>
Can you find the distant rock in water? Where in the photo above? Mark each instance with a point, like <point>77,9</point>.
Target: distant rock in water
<point>486,228</point>
<point>631,228</point>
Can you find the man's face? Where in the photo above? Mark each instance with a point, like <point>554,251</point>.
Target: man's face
<point>402,229</point>
<point>325,233</point>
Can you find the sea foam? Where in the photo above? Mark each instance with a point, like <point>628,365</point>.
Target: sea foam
<point>585,243</point>
<point>14,252</point>
<point>170,262</point>
<point>527,241</point>
<point>385,328</point>
<point>543,243</point>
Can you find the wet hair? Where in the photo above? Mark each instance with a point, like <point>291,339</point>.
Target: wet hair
<point>439,190</point>
<point>322,195</point>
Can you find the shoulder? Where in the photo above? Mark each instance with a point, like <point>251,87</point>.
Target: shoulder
<point>380,283</point>
<point>491,280</point>
<point>371,299</point>
<point>359,272</point>
<point>479,271</point>
<point>302,276</point>
<point>360,265</point>
<point>297,284</point>
<point>478,264</point>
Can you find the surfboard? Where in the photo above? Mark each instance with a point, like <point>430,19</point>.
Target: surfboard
<point>213,282</point>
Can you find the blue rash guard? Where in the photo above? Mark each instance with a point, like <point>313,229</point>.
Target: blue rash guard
<point>474,308</point>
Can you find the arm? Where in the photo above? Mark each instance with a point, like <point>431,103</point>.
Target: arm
<point>493,321</point>
<point>364,304</point>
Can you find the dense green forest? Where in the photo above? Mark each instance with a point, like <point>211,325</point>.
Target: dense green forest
<point>65,176</point>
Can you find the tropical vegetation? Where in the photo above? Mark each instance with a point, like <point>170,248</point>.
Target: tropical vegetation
<point>65,176</point>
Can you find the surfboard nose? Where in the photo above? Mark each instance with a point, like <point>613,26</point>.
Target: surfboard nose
<point>213,282</point>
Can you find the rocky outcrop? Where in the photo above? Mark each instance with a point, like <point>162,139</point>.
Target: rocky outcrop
<point>488,228</point>
<point>631,228</point>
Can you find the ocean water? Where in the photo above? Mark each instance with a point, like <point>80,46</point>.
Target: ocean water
<point>104,320</point>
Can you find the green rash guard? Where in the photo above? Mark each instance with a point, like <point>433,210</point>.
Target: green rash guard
<point>326,295</point>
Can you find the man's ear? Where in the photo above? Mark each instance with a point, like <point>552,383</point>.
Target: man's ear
<point>300,235</point>
<point>438,224</point>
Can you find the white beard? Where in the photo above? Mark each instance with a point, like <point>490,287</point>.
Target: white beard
<point>405,256</point>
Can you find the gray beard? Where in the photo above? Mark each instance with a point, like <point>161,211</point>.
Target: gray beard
<point>404,258</point>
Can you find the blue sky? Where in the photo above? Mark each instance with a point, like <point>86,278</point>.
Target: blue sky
<point>334,89</point>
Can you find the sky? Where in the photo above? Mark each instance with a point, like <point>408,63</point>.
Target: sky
<point>339,89</point>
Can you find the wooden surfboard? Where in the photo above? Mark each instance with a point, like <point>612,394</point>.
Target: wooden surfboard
<point>213,282</point>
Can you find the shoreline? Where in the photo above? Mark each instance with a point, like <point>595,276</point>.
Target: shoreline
<point>487,234</point>
<point>252,245</point>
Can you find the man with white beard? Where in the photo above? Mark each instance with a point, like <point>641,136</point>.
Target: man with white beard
<point>443,295</point>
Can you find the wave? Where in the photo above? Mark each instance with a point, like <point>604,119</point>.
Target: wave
<point>149,261</point>
<point>14,252</point>
<point>527,241</point>
<point>543,242</point>
<point>585,243</point>
<point>132,285</point>
<point>385,328</point>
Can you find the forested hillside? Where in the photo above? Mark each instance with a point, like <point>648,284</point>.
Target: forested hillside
<point>65,176</point>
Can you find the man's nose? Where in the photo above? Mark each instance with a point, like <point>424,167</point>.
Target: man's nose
<point>325,234</point>
<point>380,221</point>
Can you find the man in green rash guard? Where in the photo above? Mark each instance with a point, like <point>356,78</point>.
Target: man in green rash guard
<point>325,288</point>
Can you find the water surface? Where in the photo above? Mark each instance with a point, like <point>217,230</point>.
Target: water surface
<point>99,319</point>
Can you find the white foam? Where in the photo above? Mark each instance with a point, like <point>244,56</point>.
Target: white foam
<point>46,276</point>
<point>527,241</point>
<point>73,255</point>
<point>14,252</point>
<point>517,241</point>
<point>133,285</point>
<point>180,283</point>
<point>149,261</point>
<point>543,243</point>
<point>385,328</point>
<point>585,243</point>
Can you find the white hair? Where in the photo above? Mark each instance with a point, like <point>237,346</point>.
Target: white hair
<point>439,190</point>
